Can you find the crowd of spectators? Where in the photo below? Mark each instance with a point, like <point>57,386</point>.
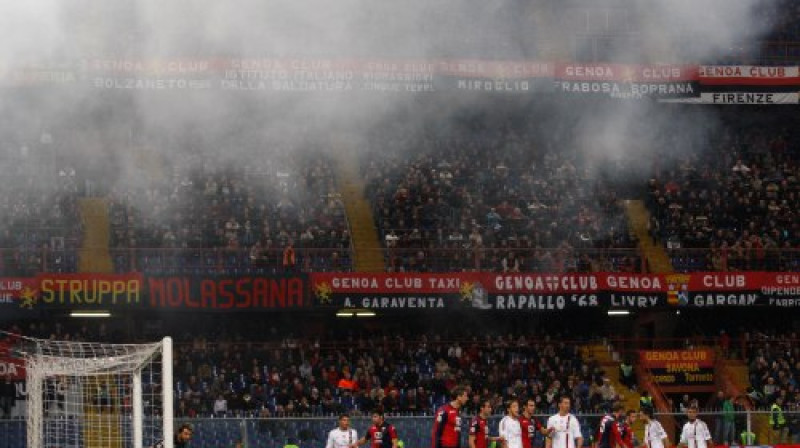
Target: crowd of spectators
<point>782,19</point>
<point>401,374</point>
<point>771,37</point>
<point>275,373</point>
<point>491,191</point>
<point>491,196</point>
<point>247,368</point>
<point>733,206</point>
<point>265,214</point>
<point>40,224</point>
<point>774,364</point>
<point>768,34</point>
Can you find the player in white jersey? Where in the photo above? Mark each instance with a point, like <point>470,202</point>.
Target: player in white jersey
<point>509,429</point>
<point>342,436</point>
<point>564,428</point>
<point>695,432</point>
<point>654,434</point>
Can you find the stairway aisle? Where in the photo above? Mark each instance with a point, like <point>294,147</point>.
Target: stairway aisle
<point>609,361</point>
<point>94,255</point>
<point>739,374</point>
<point>655,254</point>
<point>367,249</point>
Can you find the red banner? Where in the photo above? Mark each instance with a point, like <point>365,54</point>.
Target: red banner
<point>676,359</point>
<point>626,72</point>
<point>12,368</point>
<point>679,367</point>
<point>214,293</point>
<point>394,291</point>
<point>748,75</point>
<point>523,282</point>
<point>14,290</point>
<point>383,283</point>
<point>539,291</point>
<point>480,290</point>
<point>575,283</point>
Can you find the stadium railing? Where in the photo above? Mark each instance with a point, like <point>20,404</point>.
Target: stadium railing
<point>706,259</point>
<point>414,431</point>
<point>531,259</point>
<point>20,262</point>
<point>229,261</point>
<point>777,52</point>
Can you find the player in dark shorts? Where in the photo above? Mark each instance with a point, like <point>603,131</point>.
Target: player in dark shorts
<point>447,422</point>
<point>529,424</point>
<point>380,435</point>
<point>479,427</point>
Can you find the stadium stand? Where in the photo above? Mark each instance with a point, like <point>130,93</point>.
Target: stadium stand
<point>404,372</point>
<point>492,182</point>
<point>732,207</point>
<point>409,377</point>
<point>40,229</point>
<point>218,217</point>
<point>279,384</point>
<point>494,197</point>
<point>289,387</point>
<point>773,368</point>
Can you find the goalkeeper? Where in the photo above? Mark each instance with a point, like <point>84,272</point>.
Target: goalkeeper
<point>182,437</point>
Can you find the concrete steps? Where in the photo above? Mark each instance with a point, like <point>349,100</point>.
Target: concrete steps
<point>367,249</point>
<point>655,254</point>
<point>94,255</point>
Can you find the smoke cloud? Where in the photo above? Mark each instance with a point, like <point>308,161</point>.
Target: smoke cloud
<point>100,131</point>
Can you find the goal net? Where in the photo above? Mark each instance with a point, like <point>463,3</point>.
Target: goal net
<point>93,395</point>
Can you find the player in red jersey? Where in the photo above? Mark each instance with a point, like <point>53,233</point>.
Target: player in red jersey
<point>529,424</point>
<point>381,434</point>
<point>608,435</point>
<point>626,429</point>
<point>478,428</point>
<point>447,423</point>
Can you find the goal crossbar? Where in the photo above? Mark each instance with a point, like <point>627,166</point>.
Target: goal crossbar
<point>93,394</point>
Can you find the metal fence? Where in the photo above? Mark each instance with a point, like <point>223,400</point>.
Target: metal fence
<point>415,431</point>
<point>29,261</point>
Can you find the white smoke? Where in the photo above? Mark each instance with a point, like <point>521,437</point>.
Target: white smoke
<point>78,30</point>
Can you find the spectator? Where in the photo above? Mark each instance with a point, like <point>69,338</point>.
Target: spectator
<point>724,344</point>
<point>510,263</point>
<point>220,406</point>
<point>346,382</point>
<point>777,421</point>
<point>770,389</point>
<point>728,422</point>
<point>646,401</point>
<point>608,393</point>
<point>7,396</point>
<point>627,375</point>
<point>748,438</point>
<point>289,258</point>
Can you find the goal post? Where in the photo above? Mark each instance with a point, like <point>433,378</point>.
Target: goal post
<point>94,395</point>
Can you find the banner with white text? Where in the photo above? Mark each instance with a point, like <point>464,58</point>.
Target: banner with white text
<point>502,292</point>
<point>701,84</point>
<point>754,98</point>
